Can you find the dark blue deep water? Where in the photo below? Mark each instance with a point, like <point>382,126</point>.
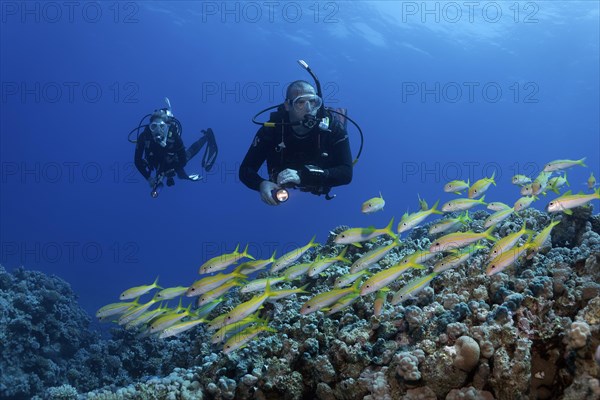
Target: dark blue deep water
<point>442,91</point>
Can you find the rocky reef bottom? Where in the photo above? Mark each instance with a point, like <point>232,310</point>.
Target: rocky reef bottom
<point>529,332</point>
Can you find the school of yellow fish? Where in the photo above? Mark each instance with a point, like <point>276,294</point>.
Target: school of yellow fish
<point>235,328</point>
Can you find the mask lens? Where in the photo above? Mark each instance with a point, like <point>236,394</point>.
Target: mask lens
<point>157,126</point>
<point>307,102</point>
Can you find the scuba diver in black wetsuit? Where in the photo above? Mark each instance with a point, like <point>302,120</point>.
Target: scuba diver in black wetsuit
<point>159,148</point>
<point>304,146</point>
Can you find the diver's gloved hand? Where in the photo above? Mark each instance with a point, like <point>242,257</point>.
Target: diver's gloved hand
<point>288,176</point>
<point>266,192</point>
<point>151,182</point>
<point>194,177</point>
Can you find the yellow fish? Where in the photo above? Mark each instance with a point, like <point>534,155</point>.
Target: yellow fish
<point>521,180</point>
<point>456,186</point>
<point>138,291</point>
<point>321,264</point>
<point>568,201</point>
<point>460,239</point>
<point>498,216</point>
<point>524,202</point>
<point>242,338</point>
<point>563,164</point>
<point>291,256</point>
<point>384,278</point>
<point>481,186</point>
<point>412,288</point>
<point>539,240</point>
<point>356,235</point>
<point>409,221</point>
<point>373,205</point>
<point>591,182</point>
<point>462,204</point>
<point>223,261</point>
<point>373,256</point>
<point>506,259</point>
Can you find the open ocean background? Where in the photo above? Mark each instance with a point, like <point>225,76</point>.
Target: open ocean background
<point>441,90</point>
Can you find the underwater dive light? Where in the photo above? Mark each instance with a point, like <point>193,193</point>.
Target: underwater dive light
<point>280,195</point>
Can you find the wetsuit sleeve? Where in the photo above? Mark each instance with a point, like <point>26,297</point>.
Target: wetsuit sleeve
<point>138,159</point>
<point>340,172</point>
<point>254,159</point>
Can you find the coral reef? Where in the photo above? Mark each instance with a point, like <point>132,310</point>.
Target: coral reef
<point>531,331</point>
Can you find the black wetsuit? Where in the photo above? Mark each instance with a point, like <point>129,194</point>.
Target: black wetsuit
<point>327,150</point>
<point>149,155</point>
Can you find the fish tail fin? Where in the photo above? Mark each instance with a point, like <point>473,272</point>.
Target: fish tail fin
<point>245,253</point>
<point>492,178</point>
<point>388,229</point>
<point>488,233</point>
<point>434,209</point>
<point>581,162</point>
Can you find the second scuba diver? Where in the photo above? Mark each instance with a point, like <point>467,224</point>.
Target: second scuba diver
<point>160,149</point>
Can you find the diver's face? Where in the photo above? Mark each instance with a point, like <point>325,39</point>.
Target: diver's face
<point>160,131</point>
<point>303,102</point>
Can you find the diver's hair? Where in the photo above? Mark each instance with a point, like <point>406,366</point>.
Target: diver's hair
<point>296,86</point>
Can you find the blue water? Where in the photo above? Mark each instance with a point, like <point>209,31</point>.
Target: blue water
<point>442,91</point>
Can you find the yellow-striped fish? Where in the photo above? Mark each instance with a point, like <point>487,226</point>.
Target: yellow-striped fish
<point>538,241</point>
<point>521,180</point>
<point>356,235</point>
<point>373,256</point>
<point>481,186</point>
<point>524,202</point>
<point>380,299</point>
<point>508,242</point>
<point>179,328</point>
<point>498,216</point>
<point>171,293</point>
<point>242,310</point>
<point>223,261</point>
<point>168,320</point>
<point>348,279</point>
<point>326,299</point>
<point>412,288</point>
<point>116,308</point>
<point>450,225</point>
<point>539,184</point>
<point>409,221</point>
<point>342,303</point>
<point>563,164</point>
<point>259,285</point>
<point>384,278</point>
<point>321,264</point>
<point>456,258</point>
<point>211,282</point>
<point>249,267</point>
<point>460,239</point>
<point>138,291</point>
<point>456,186</point>
<point>211,295</point>
<point>462,204</point>
<point>591,182</point>
<point>373,205</point>
<point>506,259</point>
<point>497,206</point>
<point>291,256</point>
<point>241,339</point>
<point>568,201</point>
<point>557,182</point>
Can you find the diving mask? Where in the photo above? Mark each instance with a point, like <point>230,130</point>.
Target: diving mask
<point>307,103</point>
<point>160,131</point>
